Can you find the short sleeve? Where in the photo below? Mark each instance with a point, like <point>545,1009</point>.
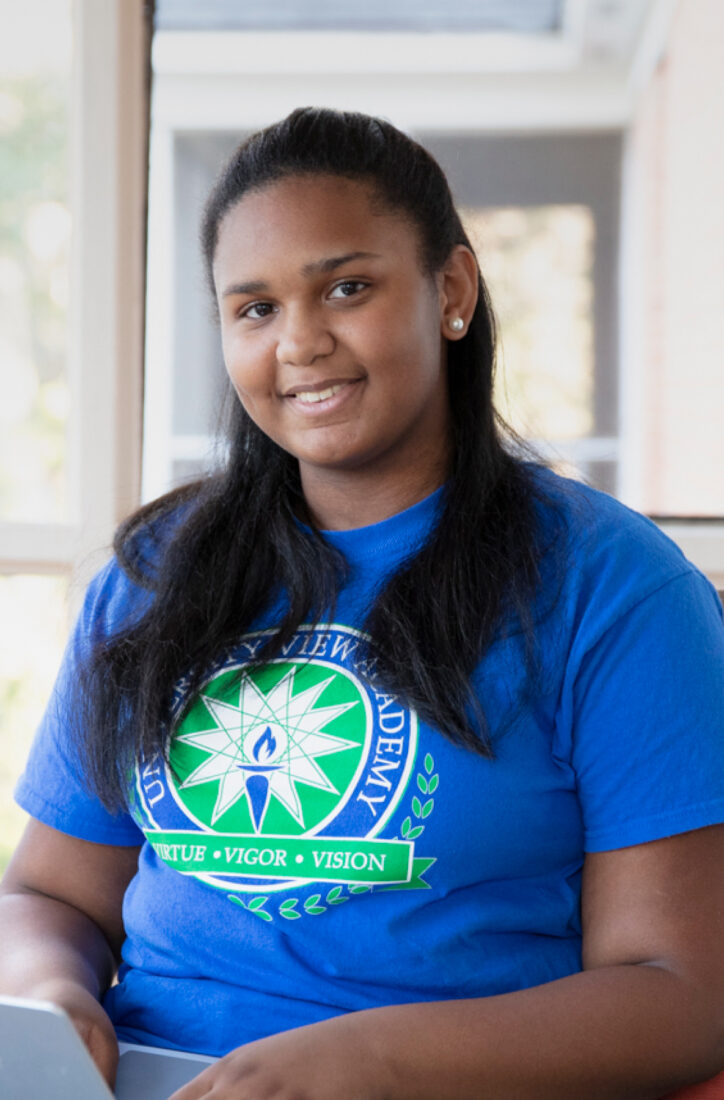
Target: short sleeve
<point>648,719</point>
<point>52,788</point>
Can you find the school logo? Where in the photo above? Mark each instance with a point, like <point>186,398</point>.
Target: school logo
<point>288,774</point>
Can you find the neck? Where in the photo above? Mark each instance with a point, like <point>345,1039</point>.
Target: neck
<point>339,500</point>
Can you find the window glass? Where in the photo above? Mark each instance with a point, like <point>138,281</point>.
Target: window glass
<point>33,613</point>
<point>34,257</point>
<point>538,264</point>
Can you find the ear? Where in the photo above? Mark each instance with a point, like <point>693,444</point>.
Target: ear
<point>458,285</point>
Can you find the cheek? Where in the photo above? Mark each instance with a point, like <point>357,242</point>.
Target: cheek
<point>247,368</point>
<point>414,357</point>
<point>258,410</point>
<point>410,332</point>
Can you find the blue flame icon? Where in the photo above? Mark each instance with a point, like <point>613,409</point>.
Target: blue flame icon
<point>265,747</point>
<point>257,776</point>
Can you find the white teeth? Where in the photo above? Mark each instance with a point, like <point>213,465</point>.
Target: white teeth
<point>311,397</point>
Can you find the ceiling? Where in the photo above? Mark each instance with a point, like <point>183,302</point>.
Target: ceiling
<point>524,35</point>
<point>473,64</point>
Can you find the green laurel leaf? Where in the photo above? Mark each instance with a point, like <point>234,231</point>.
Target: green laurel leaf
<point>415,833</point>
<point>254,906</point>
<point>433,784</point>
<point>287,910</point>
<point>427,808</point>
<point>334,898</point>
<point>406,826</point>
<point>312,905</point>
<point>416,806</point>
<point>422,783</point>
<point>359,888</point>
<point>429,763</point>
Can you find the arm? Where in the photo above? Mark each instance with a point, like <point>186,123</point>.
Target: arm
<point>644,1016</point>
<point>61,928</point>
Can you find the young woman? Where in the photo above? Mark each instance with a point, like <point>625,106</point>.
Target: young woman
<point>389,763</point>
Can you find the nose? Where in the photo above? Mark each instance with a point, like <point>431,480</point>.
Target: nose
<point>303,337</point>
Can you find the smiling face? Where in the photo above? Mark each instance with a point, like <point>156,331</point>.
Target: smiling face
<point>332,333</point>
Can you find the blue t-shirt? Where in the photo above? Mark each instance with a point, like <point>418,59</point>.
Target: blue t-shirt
<point>316,849</point>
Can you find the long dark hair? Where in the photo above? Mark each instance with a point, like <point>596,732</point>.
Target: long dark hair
<point>217,553</point>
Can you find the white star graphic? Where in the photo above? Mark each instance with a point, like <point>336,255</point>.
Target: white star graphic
<point>276,737</point>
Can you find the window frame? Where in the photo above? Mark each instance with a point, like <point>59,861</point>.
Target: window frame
<point>109,141</point>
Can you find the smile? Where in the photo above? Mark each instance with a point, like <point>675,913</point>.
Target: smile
<point>319,399</point>
<point>312,397</point>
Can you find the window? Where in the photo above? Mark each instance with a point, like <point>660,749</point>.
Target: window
<point>71,298</point>
<point>35,96</point>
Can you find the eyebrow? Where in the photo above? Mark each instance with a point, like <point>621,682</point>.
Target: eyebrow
<point>317,267</point>
<point>322,267</point>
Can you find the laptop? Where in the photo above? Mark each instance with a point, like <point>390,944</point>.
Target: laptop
<point>42,1057</point>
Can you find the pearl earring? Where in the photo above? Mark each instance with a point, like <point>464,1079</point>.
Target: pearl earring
<point>457,324</point>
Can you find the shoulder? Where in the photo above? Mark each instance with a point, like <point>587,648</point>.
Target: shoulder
<point>143,540</point>
<point>609,559</point>
<point>122,591</point>
<point>112,602</point>
<point>601,533</point>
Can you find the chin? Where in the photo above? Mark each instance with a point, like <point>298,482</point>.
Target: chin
<point>333,458</point>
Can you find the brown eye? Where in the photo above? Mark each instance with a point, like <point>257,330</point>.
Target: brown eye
<point>348,288</point>
<point>257,310</point>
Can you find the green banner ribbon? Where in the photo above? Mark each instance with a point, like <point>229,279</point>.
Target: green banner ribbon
<point>318,859</point>
<point>419,865</point>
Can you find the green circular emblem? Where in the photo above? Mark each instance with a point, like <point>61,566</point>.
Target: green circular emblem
<point>266,753</point>
<point>286,775</point>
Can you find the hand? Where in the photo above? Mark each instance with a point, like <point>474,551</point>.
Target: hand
<point>89,1019</point>
<point>323,1061</point>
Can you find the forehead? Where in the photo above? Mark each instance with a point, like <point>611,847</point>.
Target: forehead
<point>310,217</point>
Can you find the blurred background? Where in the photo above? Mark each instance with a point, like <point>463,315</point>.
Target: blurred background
<point>582,140</point>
